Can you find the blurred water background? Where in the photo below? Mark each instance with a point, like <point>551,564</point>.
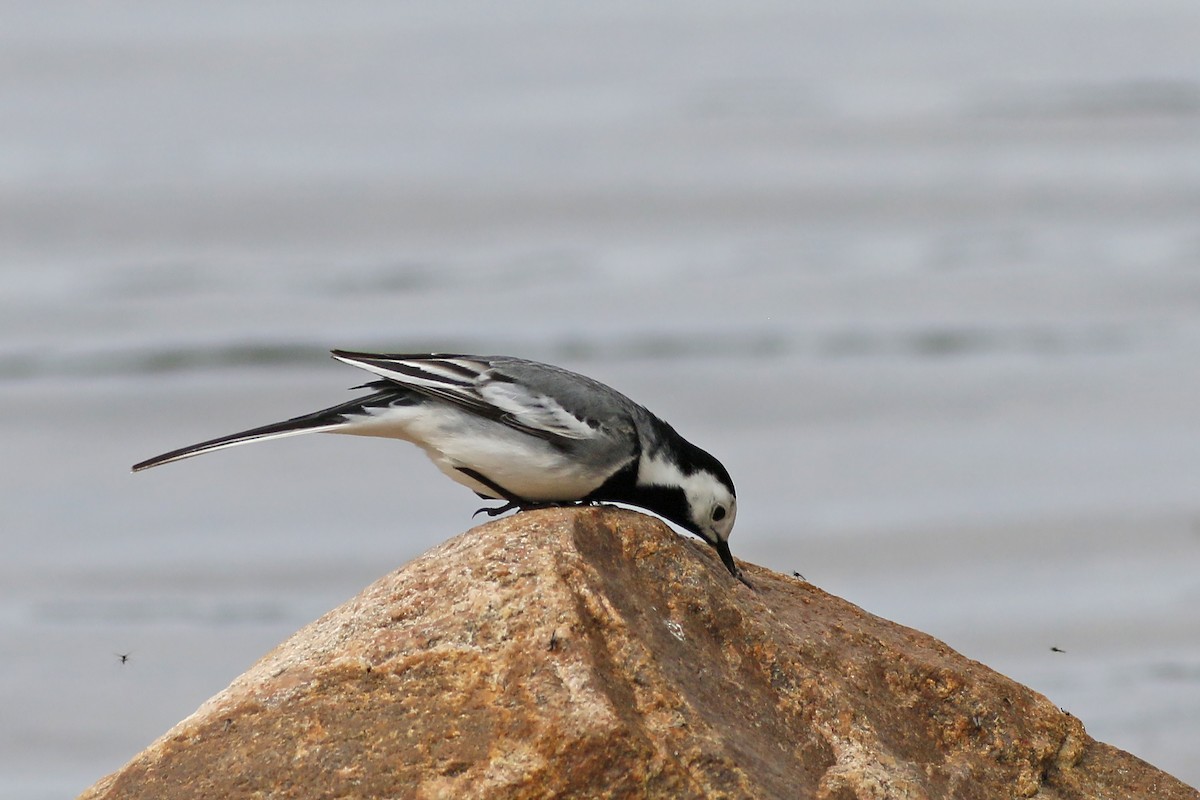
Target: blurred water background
<point>925,276</point>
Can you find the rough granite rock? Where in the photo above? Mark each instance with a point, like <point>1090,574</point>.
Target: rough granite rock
<point>592,652</point>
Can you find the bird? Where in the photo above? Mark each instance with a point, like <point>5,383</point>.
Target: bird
<point>525,433</point>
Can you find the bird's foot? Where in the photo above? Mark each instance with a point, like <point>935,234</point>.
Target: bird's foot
<point>497,510</point>
<point>519,505</point>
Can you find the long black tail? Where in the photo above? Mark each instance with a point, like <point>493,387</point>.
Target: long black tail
<point>328,419</point>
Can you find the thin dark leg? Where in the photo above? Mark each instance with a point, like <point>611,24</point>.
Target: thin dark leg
<point>489,483</point>
<point>513,502</point>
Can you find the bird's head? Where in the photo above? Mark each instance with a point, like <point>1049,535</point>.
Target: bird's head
<point>697,494</point>
<point>712,508</point>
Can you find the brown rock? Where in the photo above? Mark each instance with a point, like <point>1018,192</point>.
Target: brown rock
<point>592,652</point>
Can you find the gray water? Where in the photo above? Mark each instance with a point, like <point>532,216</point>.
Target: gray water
<point>926,278</point>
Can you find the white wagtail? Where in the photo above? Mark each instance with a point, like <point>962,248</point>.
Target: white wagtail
<point>526,433</point>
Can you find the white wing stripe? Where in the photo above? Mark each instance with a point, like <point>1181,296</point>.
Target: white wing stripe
<point>536,411</point>
<point>412,373</point>
<point>456,371</point>
<point>449,377</point>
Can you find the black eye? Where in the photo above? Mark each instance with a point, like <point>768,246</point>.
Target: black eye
<point>718,513</point>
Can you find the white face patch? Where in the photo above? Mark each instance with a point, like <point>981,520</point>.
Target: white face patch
<point>712,506</point>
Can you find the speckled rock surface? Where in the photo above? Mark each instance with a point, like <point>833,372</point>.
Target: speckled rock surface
<point>592,652</point>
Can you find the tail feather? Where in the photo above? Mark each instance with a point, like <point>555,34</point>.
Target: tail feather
<point>328,419</point>
<point>275,431</point>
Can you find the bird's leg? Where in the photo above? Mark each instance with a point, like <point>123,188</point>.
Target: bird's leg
<point>492,512</point>
<point>513,502</point>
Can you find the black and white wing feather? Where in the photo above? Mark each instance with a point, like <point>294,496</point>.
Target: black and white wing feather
<point>533,398</point>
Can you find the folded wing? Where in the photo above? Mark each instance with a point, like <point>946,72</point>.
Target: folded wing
<point>479,385</point>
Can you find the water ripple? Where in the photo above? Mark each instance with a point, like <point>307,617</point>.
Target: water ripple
<point>921,342</point>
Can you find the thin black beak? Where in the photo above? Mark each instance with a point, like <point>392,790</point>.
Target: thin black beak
<point>722,548</point>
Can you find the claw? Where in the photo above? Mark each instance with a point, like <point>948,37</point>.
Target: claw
<point>523,505</point>
<point>498,510</point>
